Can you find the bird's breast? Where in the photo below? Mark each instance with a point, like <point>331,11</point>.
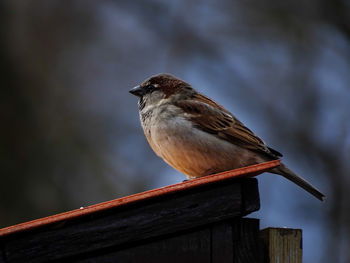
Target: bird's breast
<point>188,149</point>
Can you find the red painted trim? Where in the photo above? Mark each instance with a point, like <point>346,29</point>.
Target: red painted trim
<point>248,171</point>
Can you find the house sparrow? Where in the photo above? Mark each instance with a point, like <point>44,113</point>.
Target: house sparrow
<point>197,136</point>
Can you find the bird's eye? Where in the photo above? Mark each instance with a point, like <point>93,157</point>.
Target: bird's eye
<point>150,87</point>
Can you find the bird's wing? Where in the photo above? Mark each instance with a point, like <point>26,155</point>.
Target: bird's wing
<point>211,117</point>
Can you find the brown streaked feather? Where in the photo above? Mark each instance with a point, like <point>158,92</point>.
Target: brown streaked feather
<point>215,119</point>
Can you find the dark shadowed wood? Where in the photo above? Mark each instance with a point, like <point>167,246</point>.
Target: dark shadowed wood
<point>283,244</point>
<point>214,243</point>
<point>184,248</point>
<point>222,243</point>
<point>2,260</point>
<point>247,247</point>
<point>144,220</point>
<point>251,198</point>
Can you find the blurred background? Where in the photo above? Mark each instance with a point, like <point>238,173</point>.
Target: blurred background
<point>70,133</point>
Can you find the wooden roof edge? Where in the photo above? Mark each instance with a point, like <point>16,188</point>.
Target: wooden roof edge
<point>248,171</point>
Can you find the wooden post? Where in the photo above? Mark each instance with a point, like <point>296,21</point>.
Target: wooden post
<point>283,245</point>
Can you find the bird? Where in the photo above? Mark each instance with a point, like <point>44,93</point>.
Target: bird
<point>197,136</point>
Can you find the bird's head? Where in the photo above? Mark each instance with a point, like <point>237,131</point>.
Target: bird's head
<point>159,87</point>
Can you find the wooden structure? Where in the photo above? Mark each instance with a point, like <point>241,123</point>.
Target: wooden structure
<point>199,220</point>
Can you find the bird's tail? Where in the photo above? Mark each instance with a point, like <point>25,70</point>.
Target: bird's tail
<point>287,173</point>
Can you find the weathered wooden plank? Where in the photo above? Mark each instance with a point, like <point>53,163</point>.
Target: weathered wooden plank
<point>2,259</point>
<point>161,216</point>
<point>222,243</point>
<point>185,248</point>
<point>251,197</point>
<point>283,244</point>
<point>247,247</point>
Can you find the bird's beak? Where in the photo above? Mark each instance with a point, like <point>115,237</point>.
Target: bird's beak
<point>137,91</point>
